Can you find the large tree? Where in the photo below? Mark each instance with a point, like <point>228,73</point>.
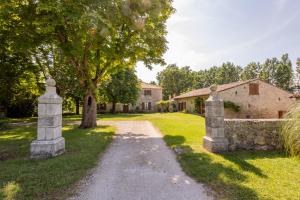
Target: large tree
<point>298,65</point>
<point>227,73</point>
<point>251,71</point>
<point>269,70</point>
<point>278,72</point>
<point>175,80</point>
<point>284,73</point>
<point>99,37</point>
<point>121,87</point>
<point>19,76</point>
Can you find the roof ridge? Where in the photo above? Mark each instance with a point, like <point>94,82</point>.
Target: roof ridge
<point>207,92</point>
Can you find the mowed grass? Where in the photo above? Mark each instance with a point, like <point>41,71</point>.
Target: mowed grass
<point>264,175</point>
<point>22,178</point>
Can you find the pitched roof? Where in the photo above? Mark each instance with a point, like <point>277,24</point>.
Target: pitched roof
<point>149,86</point>
<point>206,91</point>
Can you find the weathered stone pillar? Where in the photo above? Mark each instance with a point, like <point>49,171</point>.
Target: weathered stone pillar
<point>215,140</point>
<point>49,141</point>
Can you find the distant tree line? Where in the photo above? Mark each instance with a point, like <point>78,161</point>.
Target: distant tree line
<point>278,72</point>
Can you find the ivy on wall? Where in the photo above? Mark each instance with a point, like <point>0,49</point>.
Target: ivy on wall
<point>198,101</point>
<point>232,106</point>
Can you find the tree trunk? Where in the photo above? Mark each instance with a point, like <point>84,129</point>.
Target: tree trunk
<point>77,101</point>
<point>113,107</point>
<point>89,114</point>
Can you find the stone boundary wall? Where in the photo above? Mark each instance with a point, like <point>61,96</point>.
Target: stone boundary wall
<point>253,134</point>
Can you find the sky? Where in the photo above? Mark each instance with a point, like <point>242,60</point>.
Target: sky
<point>206,33</point>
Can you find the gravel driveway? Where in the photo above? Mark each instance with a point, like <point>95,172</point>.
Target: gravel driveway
<point>139,166</point>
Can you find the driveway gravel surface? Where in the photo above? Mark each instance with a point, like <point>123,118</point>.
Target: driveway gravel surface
<point>139,166</point>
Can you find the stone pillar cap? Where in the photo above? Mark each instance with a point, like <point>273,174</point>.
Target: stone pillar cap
<point>50,82</point>
<point>213,88</point>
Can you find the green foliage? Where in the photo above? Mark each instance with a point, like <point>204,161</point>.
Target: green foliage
<point>121,87</point>
<point>68,105</point>
<point>175,80</point>
<point>298,66</point>
<point>291,131</point>
<point>86,41</point>
<point>228,73</point>
<point>197,103</point>
<point>251,71</point>
<point>20,84</point>
<point>163,106</point>
<point>232,106</point>
<point>278,72</point>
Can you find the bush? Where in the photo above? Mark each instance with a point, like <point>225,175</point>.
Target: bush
<point>163,106</point>
<point>23,108</point>
<point>232,106</point>
<point>290,132</point>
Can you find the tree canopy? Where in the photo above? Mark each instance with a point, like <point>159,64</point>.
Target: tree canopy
<point>89,38</point>
<point>121,87</point>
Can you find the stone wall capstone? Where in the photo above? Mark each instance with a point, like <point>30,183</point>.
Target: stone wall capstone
<point>253,134</point>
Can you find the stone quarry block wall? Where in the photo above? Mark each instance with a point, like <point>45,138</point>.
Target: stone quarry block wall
<point>253,134</point>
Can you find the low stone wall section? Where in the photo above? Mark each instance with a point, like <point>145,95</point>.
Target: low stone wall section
<point>253,134</point>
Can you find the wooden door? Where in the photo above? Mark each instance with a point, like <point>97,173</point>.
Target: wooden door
<point>125,108</point>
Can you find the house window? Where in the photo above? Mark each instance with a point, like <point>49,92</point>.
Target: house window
<point>182,106</point>
<point>149,106</point>
<point>143,106</point>
<point>253,89</point>
<point>147,92</point>
<point>102,106</point>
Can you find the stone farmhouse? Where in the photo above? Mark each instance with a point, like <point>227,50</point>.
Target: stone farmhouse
<point>147,100</point>
<point>256,99</point>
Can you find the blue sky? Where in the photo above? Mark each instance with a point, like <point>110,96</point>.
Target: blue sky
<point>203,33</point>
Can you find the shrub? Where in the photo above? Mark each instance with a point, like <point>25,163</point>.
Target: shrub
<point>232,106</point>
<point>163,106</point>
<point>290,132</point>
<point>22,108</point>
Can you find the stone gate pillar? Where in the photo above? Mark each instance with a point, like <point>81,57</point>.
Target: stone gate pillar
<point>215,140</point>
<point>49,141</point>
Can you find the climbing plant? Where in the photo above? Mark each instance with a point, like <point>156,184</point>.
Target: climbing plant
<point>232,106</point>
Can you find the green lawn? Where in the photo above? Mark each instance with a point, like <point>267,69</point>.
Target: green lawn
<point>22,178</point>
<point>261,175</point>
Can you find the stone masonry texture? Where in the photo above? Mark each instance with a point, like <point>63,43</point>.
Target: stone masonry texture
<point>253,134</point>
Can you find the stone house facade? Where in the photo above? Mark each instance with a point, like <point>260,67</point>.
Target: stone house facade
<point>149,96</point>
<point>256,99</point>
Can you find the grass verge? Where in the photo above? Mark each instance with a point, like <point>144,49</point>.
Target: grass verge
<point>22,178</point>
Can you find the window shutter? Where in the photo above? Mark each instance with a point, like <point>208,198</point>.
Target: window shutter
<point>253,89</point>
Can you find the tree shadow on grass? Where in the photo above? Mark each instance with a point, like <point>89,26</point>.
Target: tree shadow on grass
<point>51,178</point>
<point>241,161</point>
<point>118,115</point>
<point>203,167</point>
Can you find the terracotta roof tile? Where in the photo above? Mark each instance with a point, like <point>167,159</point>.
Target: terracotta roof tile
<point>149,86</point>
<point>206,91</point>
